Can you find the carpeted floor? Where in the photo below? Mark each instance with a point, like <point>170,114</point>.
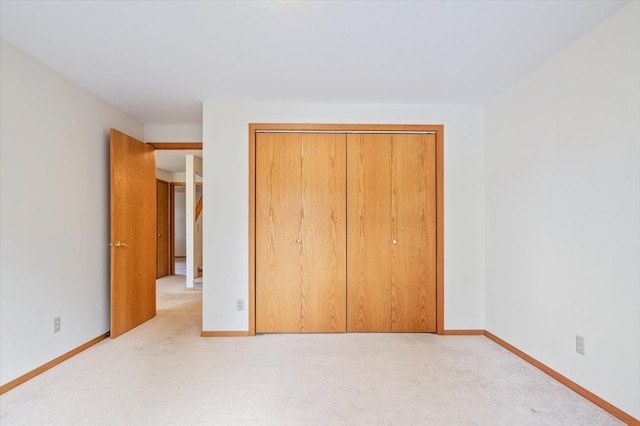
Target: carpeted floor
<point>164,373</point>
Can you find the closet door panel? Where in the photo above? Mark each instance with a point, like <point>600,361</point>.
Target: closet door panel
<point>369,232</point>
<point>278,227</point>
<point>300,233</point>
<point>323,237</point>
<point>413,288</point>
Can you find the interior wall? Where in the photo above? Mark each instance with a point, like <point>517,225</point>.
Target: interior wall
<point>164,175</point>
<point>180,203</point>
<point>54,212</point>
<point>173,133</point>
<point>563,211</point>
<point>226,159</point>
<point>181,177</point>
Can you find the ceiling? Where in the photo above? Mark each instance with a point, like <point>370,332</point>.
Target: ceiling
<point>159,60</point>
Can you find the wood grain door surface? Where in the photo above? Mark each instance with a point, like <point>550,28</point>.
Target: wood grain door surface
<point>413,233</point>
<point>133,232</point>
<point>391,233</point>
<point>300,232</point>
<point>162,226</point>
<point>369,233</point>
<point>345,232</point>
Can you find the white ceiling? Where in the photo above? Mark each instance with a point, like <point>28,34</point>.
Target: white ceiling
<point>159,60</point>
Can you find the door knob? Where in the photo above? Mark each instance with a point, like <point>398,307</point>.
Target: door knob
<point>118,244</point>
<point>298,242</point>
<point>395,241</point>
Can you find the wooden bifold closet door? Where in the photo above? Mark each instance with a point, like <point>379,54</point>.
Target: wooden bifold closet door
<point>391,233</point>
<point>345,232</point>
<point>300,232</point>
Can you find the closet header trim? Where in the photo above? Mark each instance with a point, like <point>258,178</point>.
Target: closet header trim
<point>359,132</point>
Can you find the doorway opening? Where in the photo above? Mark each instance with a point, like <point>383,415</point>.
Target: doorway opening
<point>178,289</point>
<point>178,223</point>
<point>140,171</point>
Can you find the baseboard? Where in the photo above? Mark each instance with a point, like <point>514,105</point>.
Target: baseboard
<point>625,417</point>
<point>30,375</point>
<point>247,333</point>
<point>225,333</point>
<point>463,332</point>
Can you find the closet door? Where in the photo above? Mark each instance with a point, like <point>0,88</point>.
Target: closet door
<point>369,232</point>
<point>391,233</point>
<point>413,233</point>
<point>300,232</point>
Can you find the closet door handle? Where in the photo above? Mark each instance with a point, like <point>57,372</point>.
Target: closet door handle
<point>298,242</point>
<point>394,241</point>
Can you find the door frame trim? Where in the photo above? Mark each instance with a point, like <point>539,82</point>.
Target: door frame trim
<point>176,146</point>
<point>438,129</point>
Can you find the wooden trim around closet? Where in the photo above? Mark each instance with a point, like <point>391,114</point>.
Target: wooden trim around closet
<point>251,305</point>
<point>440,228</point>
<point>438,129</point>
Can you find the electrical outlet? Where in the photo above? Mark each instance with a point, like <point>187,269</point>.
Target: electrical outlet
<point>580,345</point>
<point>56,324</point>
<point>240,305</point>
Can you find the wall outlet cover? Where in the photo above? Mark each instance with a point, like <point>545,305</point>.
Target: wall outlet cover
<point>580,345</point>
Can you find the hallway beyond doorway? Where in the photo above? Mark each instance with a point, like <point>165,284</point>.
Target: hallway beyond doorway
<point>181,266</point>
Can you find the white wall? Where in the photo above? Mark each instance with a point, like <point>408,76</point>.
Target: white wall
<point>181,177</point>
<point>226,156</point>
<point>173,133</point>
<point>164,175</point>
<point>168,176</point>
<point>180,203</point>
<point>563,211</point>
<point>54,212</point>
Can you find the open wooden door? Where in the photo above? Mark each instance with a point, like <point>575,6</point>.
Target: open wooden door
<point>133,233</point>
<point>162,226</point>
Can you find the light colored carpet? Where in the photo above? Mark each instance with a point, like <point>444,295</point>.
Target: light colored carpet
<point>163,373</point>
<point>171,293</point>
